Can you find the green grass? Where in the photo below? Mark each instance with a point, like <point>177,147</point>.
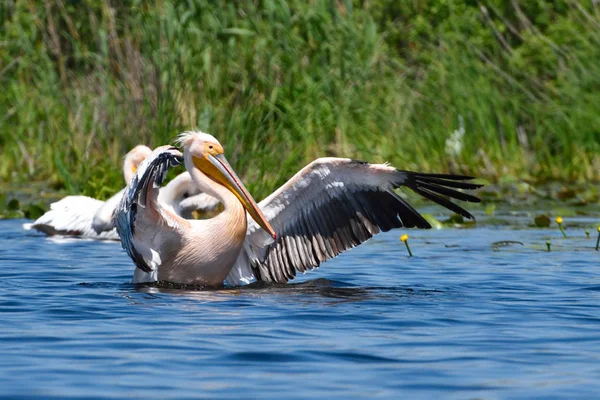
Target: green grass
<point>281,83</point>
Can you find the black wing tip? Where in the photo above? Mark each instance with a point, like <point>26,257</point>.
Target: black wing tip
<point>424,226</point>
<point>177,157</point>
<point>443,181</point>
<point>437,198</point>
<point>450,177</point>
<point>440,188</point>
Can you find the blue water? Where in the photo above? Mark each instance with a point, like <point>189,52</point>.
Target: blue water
<point>460,319</point>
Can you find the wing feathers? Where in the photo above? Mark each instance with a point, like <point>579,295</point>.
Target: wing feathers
<point>136,199</point>
<point>452,177</point>
<point>409,216</point>
<point>449,192</point>
<point>335,204</point>
<point>442,201</point>
<point>452,183</point>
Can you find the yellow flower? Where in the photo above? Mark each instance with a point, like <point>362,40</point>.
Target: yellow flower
<point>404,237</point>
<point>599,229</point>
<point>559,220</point>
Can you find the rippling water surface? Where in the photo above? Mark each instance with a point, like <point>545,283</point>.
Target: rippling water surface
<point>462,319</point>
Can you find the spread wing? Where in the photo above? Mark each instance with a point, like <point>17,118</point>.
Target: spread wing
<point>334,204</point>
<point>144,226</point>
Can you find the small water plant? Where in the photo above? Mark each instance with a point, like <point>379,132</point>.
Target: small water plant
<point>541,221</point>
<point>548,245</point>
<point>598,240</point>
<point>404,239</point>
<point>559,221</point>
<point>587,233</point>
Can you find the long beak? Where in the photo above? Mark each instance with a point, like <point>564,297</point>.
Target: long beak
<point>233,183</point>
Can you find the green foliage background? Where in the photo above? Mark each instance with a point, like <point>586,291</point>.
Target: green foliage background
<point>280,83</point>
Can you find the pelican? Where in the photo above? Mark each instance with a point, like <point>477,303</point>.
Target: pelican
<point>329,206</point>
<point>86,217</point>
<point>76,215</point>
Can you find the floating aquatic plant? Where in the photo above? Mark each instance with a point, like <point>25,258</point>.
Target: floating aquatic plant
<point>404,239</point>
<point>505,243</point>
<point>541,221</point>
<point>559,221</point>
<point>548,245</point>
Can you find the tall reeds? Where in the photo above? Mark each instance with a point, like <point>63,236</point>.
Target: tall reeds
<point>281,83</point>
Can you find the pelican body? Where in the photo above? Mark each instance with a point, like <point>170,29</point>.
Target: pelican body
<point>329,206</point>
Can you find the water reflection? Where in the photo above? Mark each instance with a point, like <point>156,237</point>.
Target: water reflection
<point>311,291</point>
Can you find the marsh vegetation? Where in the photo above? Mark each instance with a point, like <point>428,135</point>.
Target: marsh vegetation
<point>502,90</point>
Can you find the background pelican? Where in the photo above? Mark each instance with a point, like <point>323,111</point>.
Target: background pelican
<point>76,215</point>
<point>86,217</point>
<point>184,197</point>
<point>329,206</point>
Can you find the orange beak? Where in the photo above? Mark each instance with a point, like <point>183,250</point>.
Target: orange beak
<point>217,167</point>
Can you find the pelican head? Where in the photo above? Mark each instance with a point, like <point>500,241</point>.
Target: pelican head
<point>207,156</point>
<point>133,159</point>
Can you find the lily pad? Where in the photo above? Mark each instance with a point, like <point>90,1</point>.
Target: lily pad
<point>542,221</point>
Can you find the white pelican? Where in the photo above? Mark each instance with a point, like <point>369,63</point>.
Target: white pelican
<point>86,217</point>
<point>184,197</point>
<point>75,215</point>
<point>331,205</point>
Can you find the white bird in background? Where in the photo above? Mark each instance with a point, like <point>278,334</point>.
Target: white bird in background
<point>86,217</point>
<point>75,215</point>
<point>331,205</point>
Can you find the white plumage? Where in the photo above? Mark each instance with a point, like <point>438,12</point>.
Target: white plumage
<point>87,217</point>
<point>73,216</point>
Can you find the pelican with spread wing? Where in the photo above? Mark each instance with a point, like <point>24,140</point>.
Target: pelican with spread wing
<point>86,217</point>
<point>331,205</point>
